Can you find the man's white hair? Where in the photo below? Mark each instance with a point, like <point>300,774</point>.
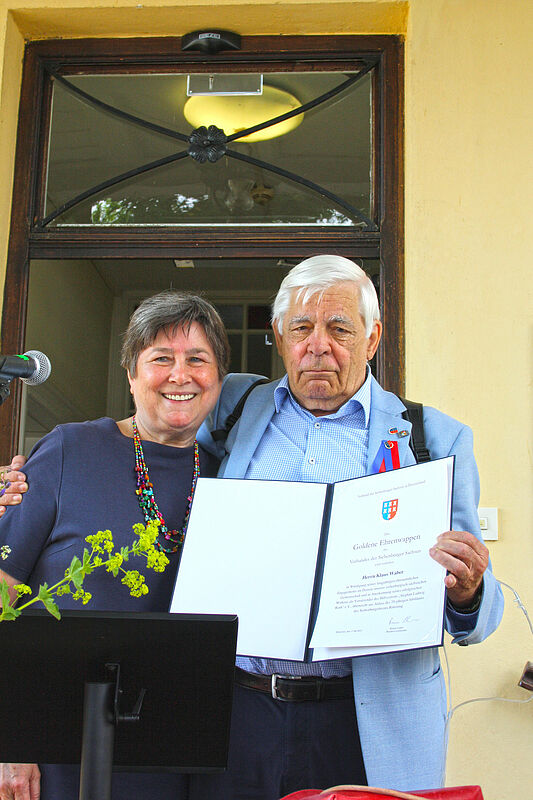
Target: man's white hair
<point>318,273</point>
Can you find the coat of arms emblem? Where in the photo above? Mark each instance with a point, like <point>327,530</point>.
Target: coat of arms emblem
<point>389,509</point>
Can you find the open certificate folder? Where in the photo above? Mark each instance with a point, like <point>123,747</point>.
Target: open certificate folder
<point>319,571</point>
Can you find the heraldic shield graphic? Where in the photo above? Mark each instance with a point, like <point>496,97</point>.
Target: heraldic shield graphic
<point>389,509</point>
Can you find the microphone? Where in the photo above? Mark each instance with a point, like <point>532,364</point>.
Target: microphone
<point>33,368</point>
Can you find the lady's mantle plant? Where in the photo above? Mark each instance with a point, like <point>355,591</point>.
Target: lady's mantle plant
<point>101,556</point>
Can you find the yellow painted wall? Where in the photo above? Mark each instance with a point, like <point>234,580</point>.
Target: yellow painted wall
<point>469,326</point>
<point>469,333</point>
<point>11,55</point>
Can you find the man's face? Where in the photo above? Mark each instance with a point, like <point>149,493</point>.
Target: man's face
<point>325,349</point>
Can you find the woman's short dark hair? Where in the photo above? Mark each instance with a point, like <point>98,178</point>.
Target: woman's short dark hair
<point>168,311</point>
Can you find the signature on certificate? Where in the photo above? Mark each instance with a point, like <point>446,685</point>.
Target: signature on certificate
<point>403,621</point>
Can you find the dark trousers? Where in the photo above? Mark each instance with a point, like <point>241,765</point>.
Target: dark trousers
<point>275,748</point>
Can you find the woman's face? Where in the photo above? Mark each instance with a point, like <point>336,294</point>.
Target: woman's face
<point>175,387</point>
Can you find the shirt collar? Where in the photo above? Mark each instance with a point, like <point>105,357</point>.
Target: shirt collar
<point>361,399</point>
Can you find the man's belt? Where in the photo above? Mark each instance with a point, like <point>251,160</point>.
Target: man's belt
<point>295,688</point>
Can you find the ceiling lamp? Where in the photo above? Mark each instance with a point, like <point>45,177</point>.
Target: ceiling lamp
<point>236,113</point>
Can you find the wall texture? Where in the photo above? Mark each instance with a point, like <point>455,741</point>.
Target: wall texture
<point>470,324</point>
<point>60,293</point>
<point>469,331</point>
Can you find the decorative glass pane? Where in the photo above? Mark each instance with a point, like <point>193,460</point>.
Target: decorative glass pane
<point>319,173</point>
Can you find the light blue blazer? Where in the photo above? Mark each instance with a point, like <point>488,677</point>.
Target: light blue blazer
<point>400,697</point>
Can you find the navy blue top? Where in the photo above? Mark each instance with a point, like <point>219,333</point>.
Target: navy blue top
<point>83,480</point>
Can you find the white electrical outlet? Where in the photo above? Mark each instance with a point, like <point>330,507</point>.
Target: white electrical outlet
<point>488,522</point>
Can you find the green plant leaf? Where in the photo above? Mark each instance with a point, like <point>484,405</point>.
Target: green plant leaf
<point>76,572</point>
<point>48,601</point>
<point>87,566</point>
<point>125,553</point>
<point>9,613</point>
<point>4,594</point>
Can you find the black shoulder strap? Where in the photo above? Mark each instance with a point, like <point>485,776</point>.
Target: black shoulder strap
<point>221,434</point>
<point>414,415</point>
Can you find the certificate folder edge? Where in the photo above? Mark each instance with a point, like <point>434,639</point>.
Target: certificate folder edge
<point>319,571</point>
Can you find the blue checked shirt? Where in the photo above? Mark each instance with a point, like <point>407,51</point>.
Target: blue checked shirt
<point>298,446</point>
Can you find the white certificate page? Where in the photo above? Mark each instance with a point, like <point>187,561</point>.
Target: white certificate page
<point>381,588</point>
<point>251,550</point>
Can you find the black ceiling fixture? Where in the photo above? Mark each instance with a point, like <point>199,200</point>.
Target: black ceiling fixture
<point>211,42</point>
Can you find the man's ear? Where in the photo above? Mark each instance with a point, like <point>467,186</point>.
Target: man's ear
<point>374,339</point>
<point>278,337</point>
<point>130,379</point>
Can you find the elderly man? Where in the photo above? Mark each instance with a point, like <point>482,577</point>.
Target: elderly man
<point>378,719</point>
<point>325,421</point>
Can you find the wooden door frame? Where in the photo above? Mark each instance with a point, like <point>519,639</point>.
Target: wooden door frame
<point>143,55</point>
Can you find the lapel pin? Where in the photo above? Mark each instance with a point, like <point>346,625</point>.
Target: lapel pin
<point>393,430</point>
<point>403,433</point>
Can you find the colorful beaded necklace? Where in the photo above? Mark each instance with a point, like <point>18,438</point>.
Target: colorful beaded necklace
<point>145,495</point>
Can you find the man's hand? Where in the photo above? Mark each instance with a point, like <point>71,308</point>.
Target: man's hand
<point>20,782</point>
<point>466,559</point>
<point>14,484</point>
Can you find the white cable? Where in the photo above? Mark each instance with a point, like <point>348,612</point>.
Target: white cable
<point>519,603</point>
<point>448,690</point>
<point>482,699</point>
<point>450,709</point>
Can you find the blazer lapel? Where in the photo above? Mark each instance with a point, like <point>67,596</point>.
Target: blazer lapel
<point>386,416</point>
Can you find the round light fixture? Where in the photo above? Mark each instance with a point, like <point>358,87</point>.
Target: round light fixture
<point>237,112</point>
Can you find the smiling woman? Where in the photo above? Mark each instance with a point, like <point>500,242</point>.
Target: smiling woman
<point>175,386</point>
<point>97,475</point>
